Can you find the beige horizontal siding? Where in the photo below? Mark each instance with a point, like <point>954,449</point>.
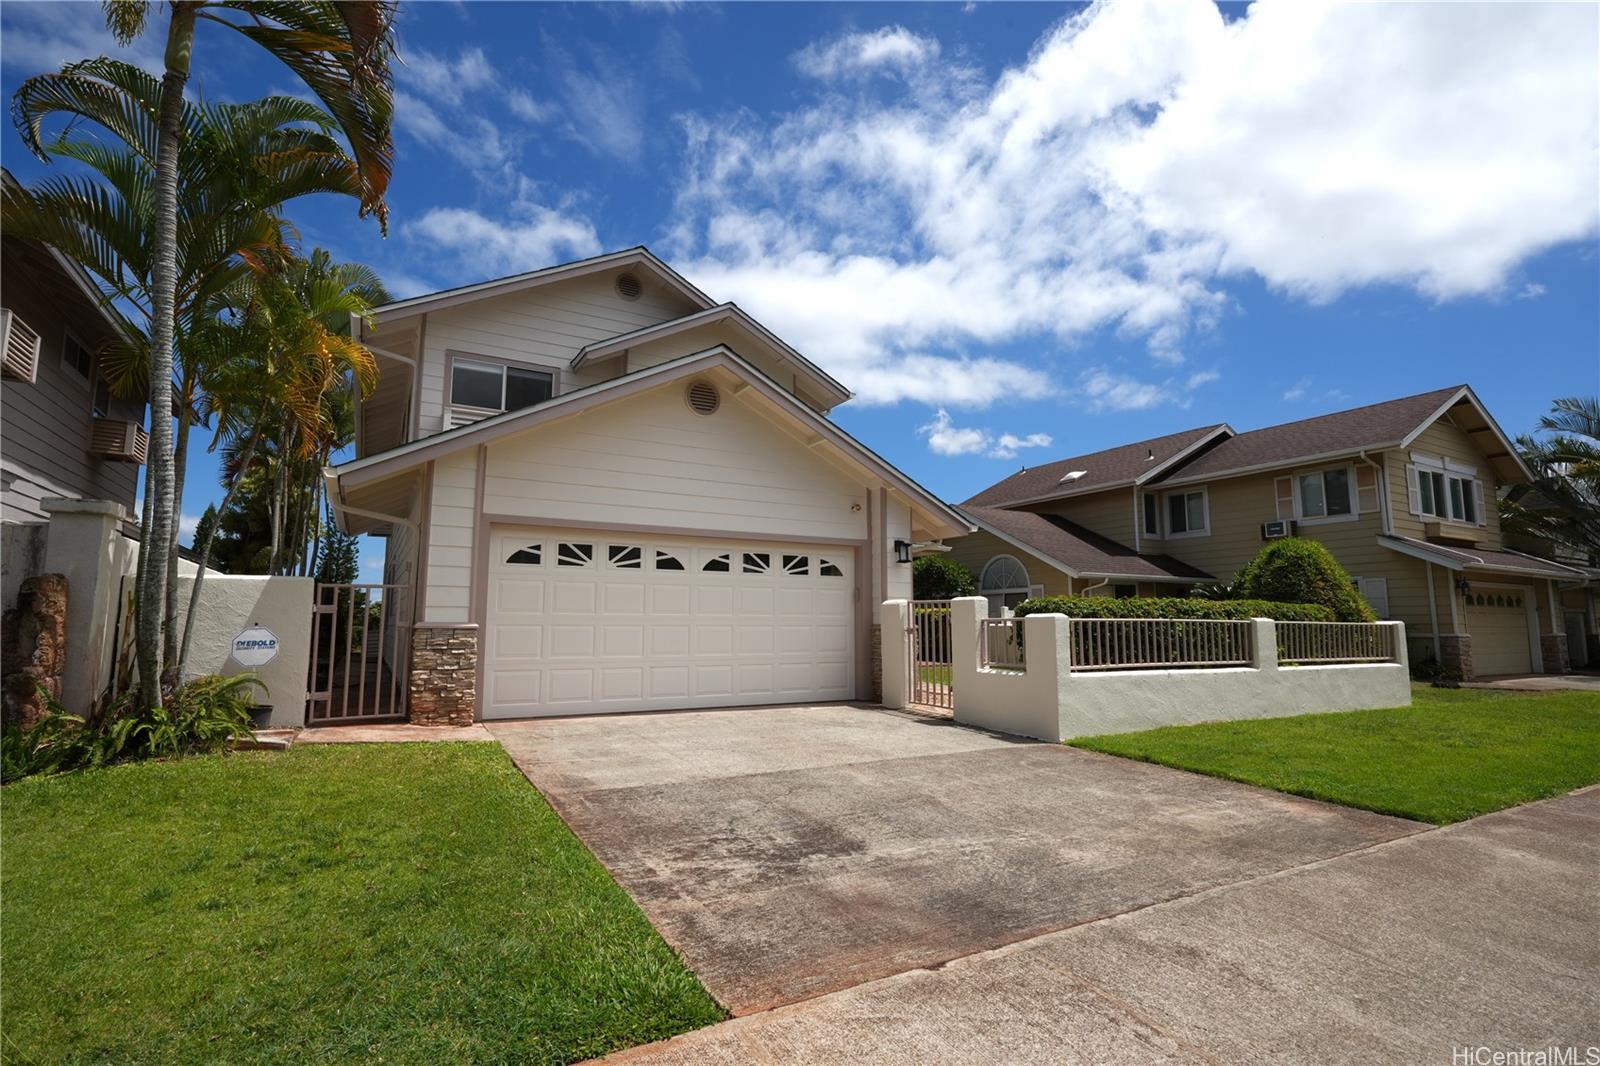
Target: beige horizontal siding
<point>975,550</point>
<point>543,327</point>
<point>1446,440</point>
<point>1108,513</point>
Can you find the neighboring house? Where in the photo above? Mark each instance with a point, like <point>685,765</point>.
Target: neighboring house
<point>62,434</point>
<point>1402,492</point>
<point>604,491</point>
<point>1580,597</point>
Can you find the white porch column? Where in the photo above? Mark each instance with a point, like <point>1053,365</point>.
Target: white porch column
<point>1266,640</point>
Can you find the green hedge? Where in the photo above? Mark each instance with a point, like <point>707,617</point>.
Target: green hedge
<point>1173,607</point>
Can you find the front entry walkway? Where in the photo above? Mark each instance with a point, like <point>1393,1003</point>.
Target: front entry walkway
<point>1584,682</point>
<point>793,851</point>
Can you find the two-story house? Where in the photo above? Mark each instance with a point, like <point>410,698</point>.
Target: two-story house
<point>604,491</point>
<point>1402,492</point>
<point>63,435</point>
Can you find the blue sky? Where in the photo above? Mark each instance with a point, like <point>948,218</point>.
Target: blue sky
<point>1019,231</point>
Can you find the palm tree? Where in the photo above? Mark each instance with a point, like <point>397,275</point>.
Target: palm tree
<point>286,386</point>
<point>341,50</point>
<point>242,162</point>
<point>1562,506</point>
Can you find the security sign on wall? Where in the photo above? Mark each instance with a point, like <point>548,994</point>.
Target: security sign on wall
<point>256,646</point>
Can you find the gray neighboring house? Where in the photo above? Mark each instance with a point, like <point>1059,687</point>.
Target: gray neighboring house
<point>62,434</point>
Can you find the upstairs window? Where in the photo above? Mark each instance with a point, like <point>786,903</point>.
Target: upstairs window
<point>1186,513</point>
<point>76,357</point>
<point>100,404</point>
<point>1325,494</point>
<point>496,387</point>
<point>1447,494</point>
<point>1152,516</point>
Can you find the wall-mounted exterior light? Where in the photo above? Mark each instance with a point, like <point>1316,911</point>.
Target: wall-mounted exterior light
<point>902,551</point>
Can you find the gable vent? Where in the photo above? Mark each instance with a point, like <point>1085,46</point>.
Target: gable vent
<point>704,398</point>
<point>628,287</point>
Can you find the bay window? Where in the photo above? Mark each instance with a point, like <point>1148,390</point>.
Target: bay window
<point>1447,494</point>
<point>496,386</point>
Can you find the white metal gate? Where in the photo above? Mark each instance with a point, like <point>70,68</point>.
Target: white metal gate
<point>928,654</point>
<point>358,655</point>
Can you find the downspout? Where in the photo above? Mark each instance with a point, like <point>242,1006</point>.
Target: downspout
<point>1138,520</point>
<point>1433,615</point>
<point>1383,496</point>
<point>1102,583</point>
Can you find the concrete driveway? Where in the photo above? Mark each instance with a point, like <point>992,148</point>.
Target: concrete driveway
<point>792,852</point>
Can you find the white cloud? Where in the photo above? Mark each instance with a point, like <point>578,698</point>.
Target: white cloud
<point>1531,291</point>
<point>523,105</point>
<point>187,524</point>
<point>1102,390</point>
<point>946,438</point>
<point>1297,390</point>
<point>1143,152</point>
<point>41,37</point>
<point>533,236</point>
<point>1202,377</point>
<point>447,80</point>
<point>892,48</point>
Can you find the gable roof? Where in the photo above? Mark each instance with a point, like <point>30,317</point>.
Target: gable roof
<point>1390,424</point>
<point>1079,551</point>
<point>374,468</point>
<point>1124,465</point>
<point>720,313</point>
<point>637,256</point>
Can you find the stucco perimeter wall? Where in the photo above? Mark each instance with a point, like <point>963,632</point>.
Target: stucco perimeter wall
<point>1048,701</point>
<point>229,605</point>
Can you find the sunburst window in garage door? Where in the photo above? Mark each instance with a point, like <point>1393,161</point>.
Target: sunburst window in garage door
<point>757,562</point>
<point>827,569</point>
<point>573,553</point>
<point>667,561</point>
<point>717,564</point>
<point>797,565</point>
<point>625,556</point>
<point>532,555</point>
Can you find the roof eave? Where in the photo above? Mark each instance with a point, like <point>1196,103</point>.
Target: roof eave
<point>1465,392</point>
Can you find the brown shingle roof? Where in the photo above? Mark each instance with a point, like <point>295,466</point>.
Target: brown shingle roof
<point>1081,550</point>
<point>1470,558</point>
<point>1375,425</point>
<point>1101,469</point>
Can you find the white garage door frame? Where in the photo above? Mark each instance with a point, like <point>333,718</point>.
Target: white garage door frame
<point>490,525</point>
<point>1530,598</point>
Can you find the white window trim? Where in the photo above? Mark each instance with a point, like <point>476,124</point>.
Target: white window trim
<point>1026,588</point>
<point>1449,471</point>
<point>1166,513</point>
<point>1326,520</point>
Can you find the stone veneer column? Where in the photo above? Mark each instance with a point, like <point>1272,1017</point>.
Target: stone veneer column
<point>877,663</point>
<point>444,673</point>
<point>34,651</point>
<point>1553,646</point>
<point>1455,653</point>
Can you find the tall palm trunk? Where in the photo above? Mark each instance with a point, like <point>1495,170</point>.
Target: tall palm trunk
<point>204,550</point>
<point>155,553</point>
<point>169,617</point>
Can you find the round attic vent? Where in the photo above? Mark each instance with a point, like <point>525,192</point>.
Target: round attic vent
<point>628,287</point>
<point>704,398</point>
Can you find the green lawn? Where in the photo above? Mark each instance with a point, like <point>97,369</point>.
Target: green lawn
<point>1453,754</point>
<point>384,902</point>
<point>934,673</point>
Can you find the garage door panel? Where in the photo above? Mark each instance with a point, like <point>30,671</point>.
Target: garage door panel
<point>1497,619</point>
<point>508,641</point>
<point>572,597</point>
<point>586,622</point>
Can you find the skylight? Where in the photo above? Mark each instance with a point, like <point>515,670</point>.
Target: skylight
<point>1072,475</point>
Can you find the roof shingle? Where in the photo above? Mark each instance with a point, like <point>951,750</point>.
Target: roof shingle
<point>1343,431</point>
<point>1081,550</point>
<point>1100,469</point>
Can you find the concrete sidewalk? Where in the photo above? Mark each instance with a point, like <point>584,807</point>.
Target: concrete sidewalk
<point>1481,933</point>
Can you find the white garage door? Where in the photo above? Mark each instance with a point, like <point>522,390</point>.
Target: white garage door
<point>1498,622</point>
<point>582,622</point>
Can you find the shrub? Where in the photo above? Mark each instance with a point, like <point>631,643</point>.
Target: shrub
<point>1296,570</point>
<point>935,577</point>
<point>202,716</point>
<point>1172,607</point>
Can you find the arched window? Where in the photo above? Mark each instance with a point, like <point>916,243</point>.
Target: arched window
<point>1004,582</point>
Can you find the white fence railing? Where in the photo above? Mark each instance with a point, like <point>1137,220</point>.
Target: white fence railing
<point>1000,642</point>
<point>1159,643</point>
<point>1334,642</point>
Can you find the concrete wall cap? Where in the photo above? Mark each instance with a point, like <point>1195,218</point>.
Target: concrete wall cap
<point>108,508</point>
